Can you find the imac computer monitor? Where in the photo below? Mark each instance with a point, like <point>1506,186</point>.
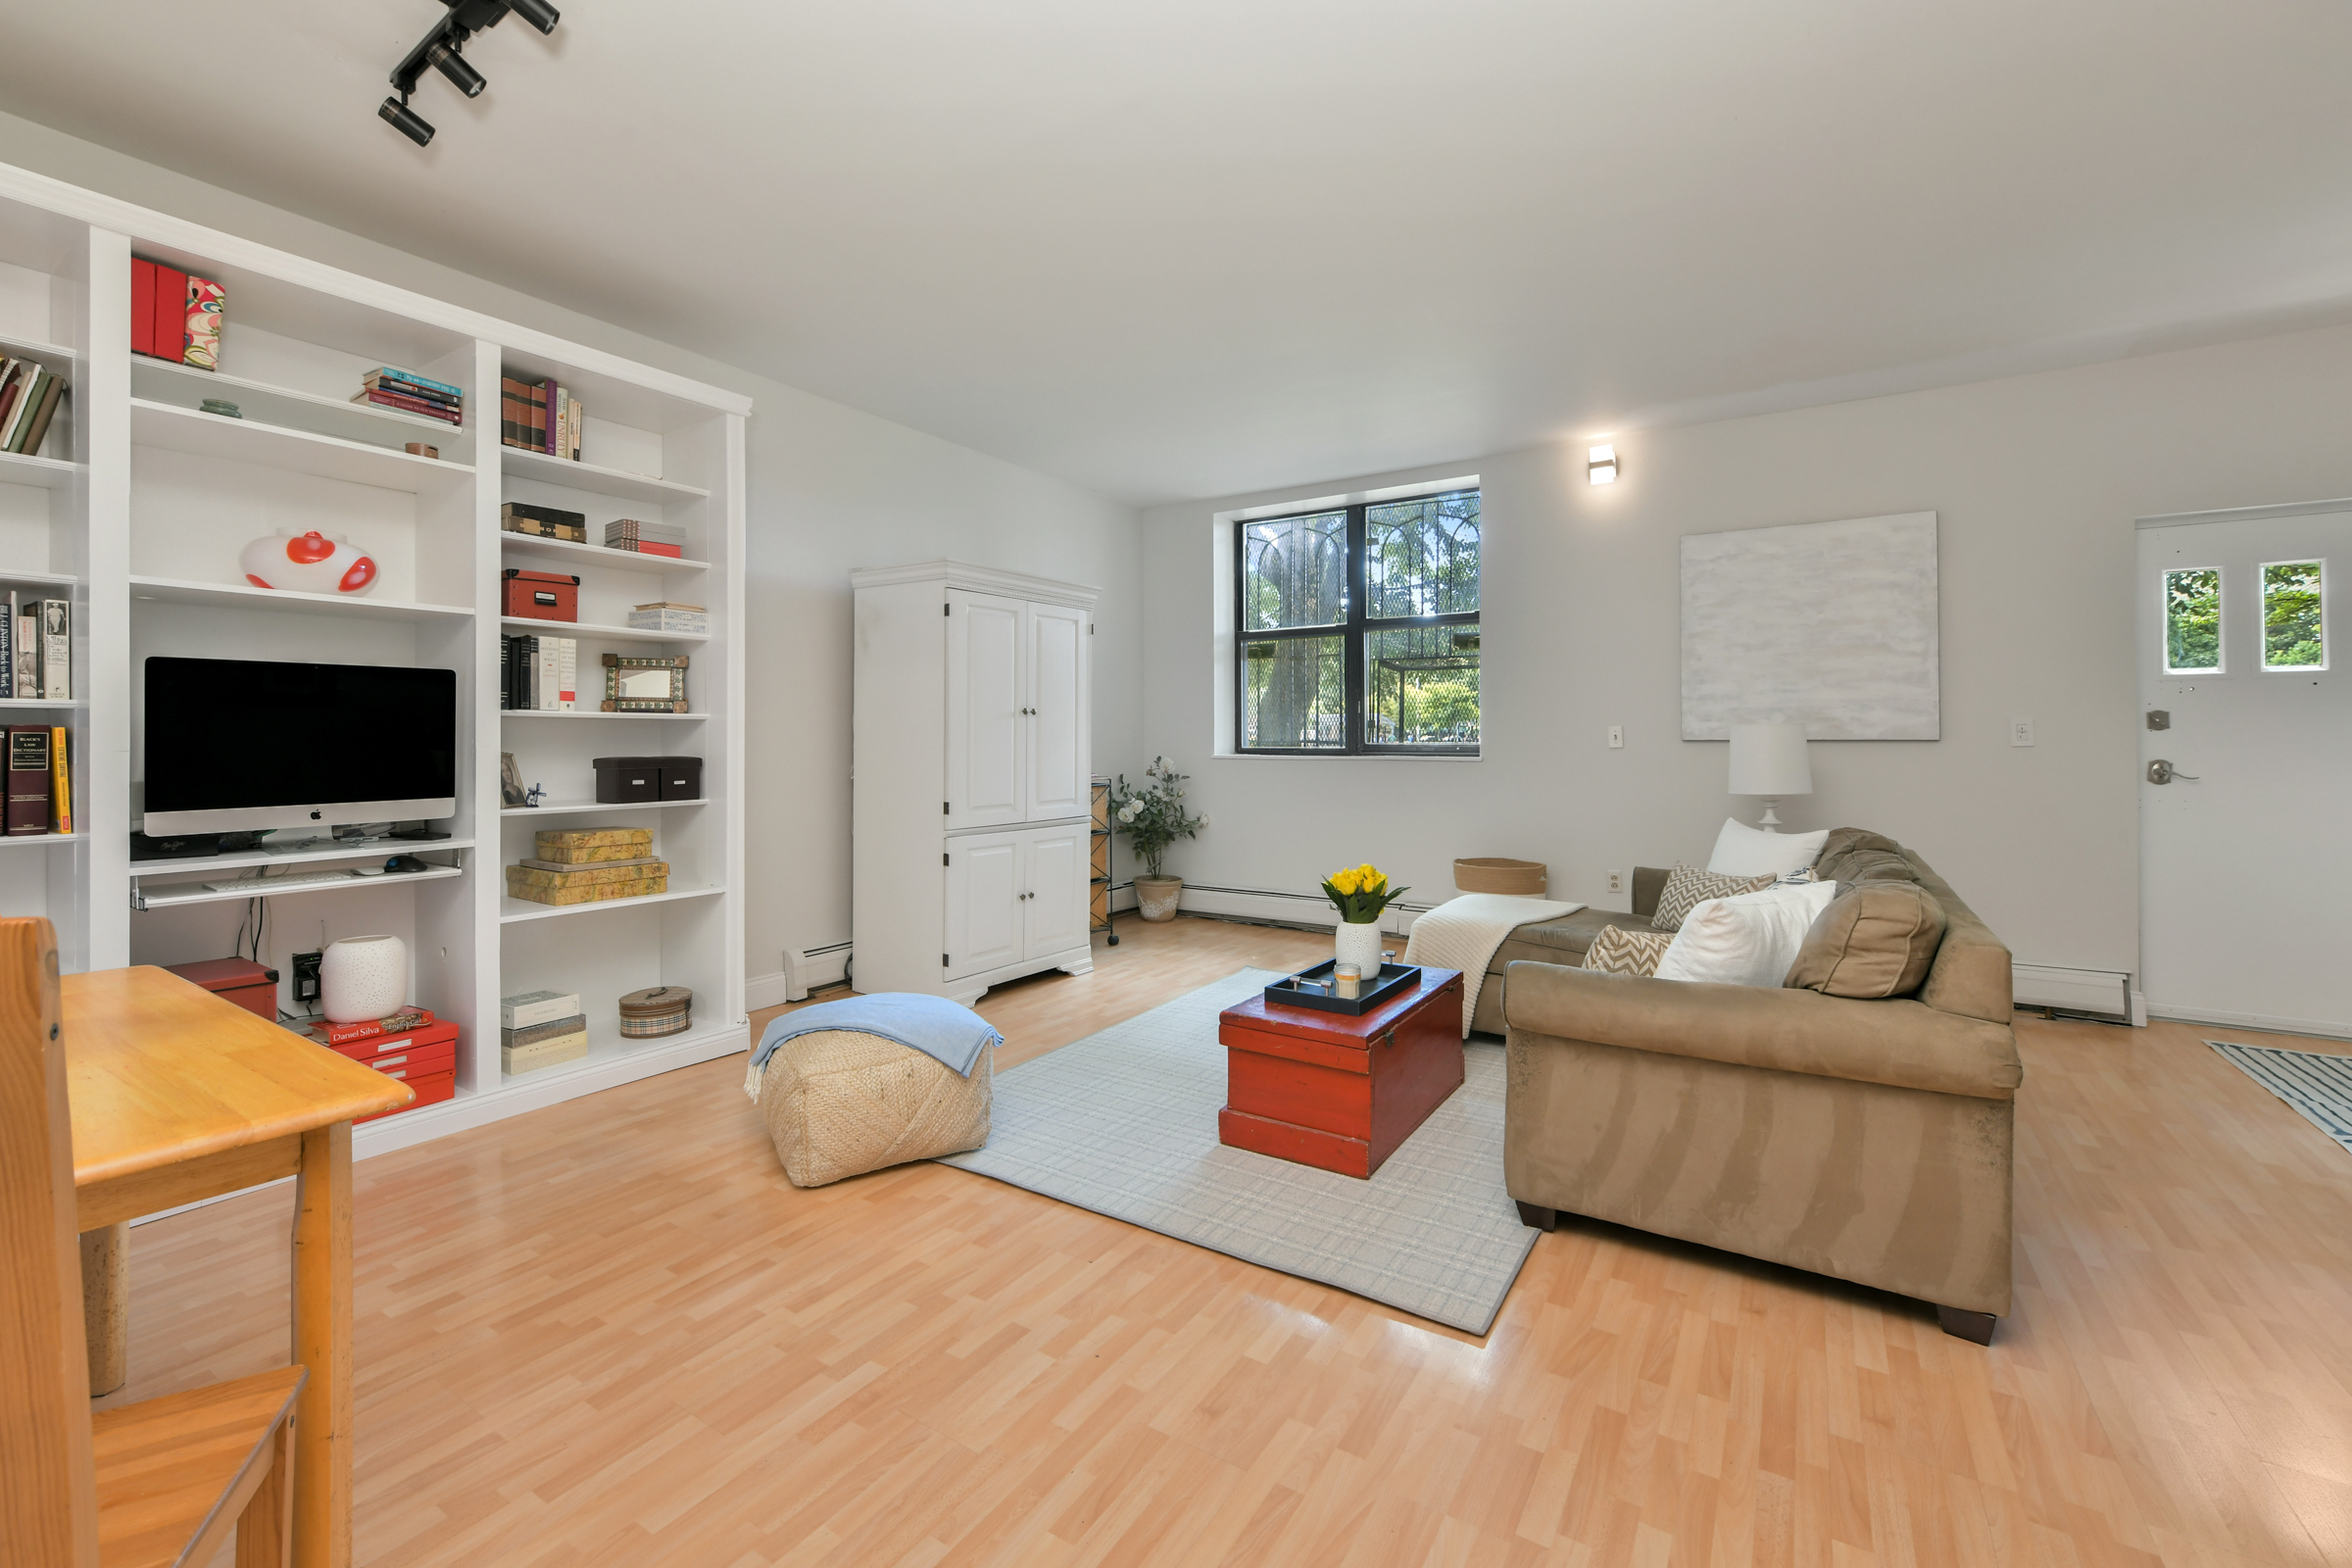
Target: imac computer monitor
<point>240,744</point>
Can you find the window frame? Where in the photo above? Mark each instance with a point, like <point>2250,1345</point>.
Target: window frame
<point>2262,617</point>
<point>2221,623</point>
<point>1354,632</point>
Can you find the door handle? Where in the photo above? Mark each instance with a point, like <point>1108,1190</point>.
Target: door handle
<point>2161,771</point>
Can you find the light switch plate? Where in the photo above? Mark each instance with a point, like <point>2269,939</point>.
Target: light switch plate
<point>1616,736</point>
<point>2020,732</point>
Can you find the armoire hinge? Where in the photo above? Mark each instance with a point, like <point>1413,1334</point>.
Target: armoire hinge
<point>943,960</point>
<point>945,610</point>
<point>943,810</point>
<point>942,859</point>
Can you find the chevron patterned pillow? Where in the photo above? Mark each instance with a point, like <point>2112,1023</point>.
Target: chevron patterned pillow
<point>1617,951</point>
<point>1688,887</point>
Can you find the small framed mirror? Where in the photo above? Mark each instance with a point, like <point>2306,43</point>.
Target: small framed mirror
<point>645,685</point>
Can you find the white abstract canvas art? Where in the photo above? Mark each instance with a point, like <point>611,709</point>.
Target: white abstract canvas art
<point>1828,624</point>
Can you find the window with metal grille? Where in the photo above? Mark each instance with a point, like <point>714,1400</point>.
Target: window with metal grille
<point>1359,629</point>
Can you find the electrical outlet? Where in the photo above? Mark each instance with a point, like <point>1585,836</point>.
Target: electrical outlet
<point>306,978</point>
<point>2020,732</point>
<point>1616,881</point>
<point>1616,737</point>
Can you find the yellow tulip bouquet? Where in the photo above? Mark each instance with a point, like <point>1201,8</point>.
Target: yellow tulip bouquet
<point>1360,892</point>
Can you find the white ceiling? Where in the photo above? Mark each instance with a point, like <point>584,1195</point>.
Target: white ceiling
<point>1192,249</point>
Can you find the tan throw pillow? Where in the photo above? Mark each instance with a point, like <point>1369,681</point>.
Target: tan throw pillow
<point>1617,951</point>
<point>1876,941</point>
<point>1688,887</point>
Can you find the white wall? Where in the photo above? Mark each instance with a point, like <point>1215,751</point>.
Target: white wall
<point>2035,481</point>
<point>830,489</point>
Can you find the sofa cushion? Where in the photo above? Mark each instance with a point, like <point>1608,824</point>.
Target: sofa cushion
<point>1744,851</point>
<point>1562,941</point>
<point>1749,940</point>
<point>1875,940</point>
<point>1617,951</point>
<point>1688,887</point>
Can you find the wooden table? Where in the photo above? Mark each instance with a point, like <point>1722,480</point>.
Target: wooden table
<point>1340,1092</point>
<point>176,1096</point>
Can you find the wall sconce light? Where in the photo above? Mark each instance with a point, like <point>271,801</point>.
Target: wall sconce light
<point>1600,465</point>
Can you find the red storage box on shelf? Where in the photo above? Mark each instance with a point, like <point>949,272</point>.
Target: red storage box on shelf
<point>366,1050</point>
<point>430,1090</point>
<point>407,1058</point>
<point>539,595</point>
<point>237,980</point>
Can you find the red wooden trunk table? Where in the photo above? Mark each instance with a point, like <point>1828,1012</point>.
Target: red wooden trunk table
<point>1336,1092</point>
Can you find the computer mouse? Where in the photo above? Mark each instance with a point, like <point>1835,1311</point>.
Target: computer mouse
<point>406,863</point>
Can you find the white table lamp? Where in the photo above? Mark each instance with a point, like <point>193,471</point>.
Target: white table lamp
<point>1769,760</point>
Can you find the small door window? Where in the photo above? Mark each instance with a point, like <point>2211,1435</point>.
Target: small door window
<point>2192,621</point>
<point>2294,615</point>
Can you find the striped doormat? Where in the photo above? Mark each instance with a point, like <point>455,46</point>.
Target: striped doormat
<point>2318,1086</point>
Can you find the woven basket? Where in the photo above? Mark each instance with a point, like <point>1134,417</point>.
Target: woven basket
<point>1519,878</point>
<point>838,1102</point>
<point>654,1012</point>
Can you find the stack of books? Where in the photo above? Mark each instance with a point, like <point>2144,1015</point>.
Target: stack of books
<point>175,315</point>
<point>589,866</point>
<point>40,787</point>
<point>544,522</point>
<point>28,396</point>
<point>540,1029</point>
<point>388,387</point>
<point>692,621</point>
<point>539,672</point>
<point>646,538</point>
<point>36,648</point>
<point>540,416</point>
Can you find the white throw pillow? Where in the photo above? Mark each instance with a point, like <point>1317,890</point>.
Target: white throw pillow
<point>1749,940</point>
<point>1744,851</point>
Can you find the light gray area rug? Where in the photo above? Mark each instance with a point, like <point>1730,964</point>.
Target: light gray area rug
<point>1124,1122</point>
<point>2316,1085</point>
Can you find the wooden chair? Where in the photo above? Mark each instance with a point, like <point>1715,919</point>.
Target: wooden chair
<point>157,1482</point>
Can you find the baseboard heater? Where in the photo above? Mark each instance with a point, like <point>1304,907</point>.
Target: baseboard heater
<point>1308,911</point>
<point>2102,993</point>
<point>808,969</point>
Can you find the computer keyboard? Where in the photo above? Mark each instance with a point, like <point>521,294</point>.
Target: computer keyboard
<point>279,884</point>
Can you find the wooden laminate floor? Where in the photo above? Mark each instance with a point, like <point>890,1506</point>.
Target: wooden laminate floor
<point>611,1333</point>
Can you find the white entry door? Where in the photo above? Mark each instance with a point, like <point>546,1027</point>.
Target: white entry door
<point>2244,845</point>
<point>986,674</point>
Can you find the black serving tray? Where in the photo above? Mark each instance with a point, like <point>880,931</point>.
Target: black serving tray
<point>1310,988</point>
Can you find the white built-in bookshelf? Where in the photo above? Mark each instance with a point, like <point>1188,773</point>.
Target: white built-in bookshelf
<point>136,507</point>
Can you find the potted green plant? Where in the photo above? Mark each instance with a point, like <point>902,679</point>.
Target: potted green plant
<point>1153,817</point>
<point>1360,894</point>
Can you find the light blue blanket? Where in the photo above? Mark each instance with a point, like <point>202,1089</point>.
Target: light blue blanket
<point>950,1033</point>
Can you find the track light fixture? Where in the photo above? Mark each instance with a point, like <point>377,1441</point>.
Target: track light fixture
<point>442,49</point>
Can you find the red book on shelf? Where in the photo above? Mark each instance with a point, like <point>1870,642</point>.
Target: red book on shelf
<point>405,1021</point>
<point>407,1043</point>
<point>170,315</point>
<point>142,305</point>
<point>646,546</point>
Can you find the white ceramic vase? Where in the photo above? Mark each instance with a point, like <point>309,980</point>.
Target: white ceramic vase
<point>364,977</point>
<point>1358,944</point>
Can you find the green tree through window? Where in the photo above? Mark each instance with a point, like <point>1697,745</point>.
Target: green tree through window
<point>2294,633</point>
<point>1359,628</point>
<point>2193,621</point>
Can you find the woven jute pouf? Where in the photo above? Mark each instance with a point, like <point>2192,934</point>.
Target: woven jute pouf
<point>839,1103</point>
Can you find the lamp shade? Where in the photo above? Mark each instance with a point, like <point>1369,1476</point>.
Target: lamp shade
<point>1770,760</point>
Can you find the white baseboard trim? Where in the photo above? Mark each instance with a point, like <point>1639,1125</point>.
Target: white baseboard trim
<point>766,990</point>
<point>2104,992</point>
<point>1309,910</point>
<point>2260,1022</point>
<point>469,1110</point>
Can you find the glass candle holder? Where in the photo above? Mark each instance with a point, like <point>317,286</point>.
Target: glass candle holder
<point>1346,978</point>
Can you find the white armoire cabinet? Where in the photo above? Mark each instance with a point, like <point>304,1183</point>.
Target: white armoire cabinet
<point>973,760</point>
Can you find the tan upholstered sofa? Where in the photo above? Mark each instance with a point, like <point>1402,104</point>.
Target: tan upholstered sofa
<point>1869,1140</point>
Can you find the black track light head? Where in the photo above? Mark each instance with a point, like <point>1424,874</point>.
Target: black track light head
<point>408,122</point>
<point>444,55</point>
<point>538,12</point>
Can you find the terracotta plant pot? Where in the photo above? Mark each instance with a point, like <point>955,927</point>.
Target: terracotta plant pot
<point>1155,896</point>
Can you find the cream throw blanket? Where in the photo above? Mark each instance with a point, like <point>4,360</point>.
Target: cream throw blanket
<point>1463,933</point>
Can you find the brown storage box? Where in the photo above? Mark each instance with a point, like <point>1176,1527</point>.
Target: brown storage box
<point>584,846</point>
<point>1519,878</point>
<point>539,595</point>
